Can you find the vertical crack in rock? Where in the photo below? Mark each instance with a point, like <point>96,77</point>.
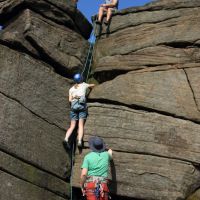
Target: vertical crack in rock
<point>193,93</point>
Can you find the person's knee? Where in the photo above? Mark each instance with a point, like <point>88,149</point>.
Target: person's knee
<point>72,125</point>
<point>109,10</point>
<point>81,122</point>
<point>100,9</point>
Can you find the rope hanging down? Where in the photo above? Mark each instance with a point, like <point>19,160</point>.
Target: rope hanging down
<point>72,166</point>
<point>85,73</point>
<point>87,67</point>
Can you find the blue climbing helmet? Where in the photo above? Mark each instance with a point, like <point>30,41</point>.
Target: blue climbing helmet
<point>78,78</point>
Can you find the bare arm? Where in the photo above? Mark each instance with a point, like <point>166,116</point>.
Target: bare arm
<point>113,4</point>
<point>70,98</point>
<point>83,177</point>
<point>110,153</point>
<point>91,85</point>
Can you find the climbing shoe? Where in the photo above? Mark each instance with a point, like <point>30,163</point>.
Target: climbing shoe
<point>98,22</point>
<point>66,145</point>
<point>106,23</point>
<point>80,144</point>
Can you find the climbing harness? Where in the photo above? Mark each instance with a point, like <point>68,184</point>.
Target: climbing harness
<point>96,188</point>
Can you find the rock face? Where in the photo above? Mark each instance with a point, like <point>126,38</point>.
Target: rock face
<point>146,106</point>
<point>42,44</point>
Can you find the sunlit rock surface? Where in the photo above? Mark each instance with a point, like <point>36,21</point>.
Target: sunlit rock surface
<point>41,45</point>
<point>146,106</point>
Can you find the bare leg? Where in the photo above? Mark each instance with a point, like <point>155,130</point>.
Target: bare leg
<point>80,129</point>
<point>70,130</point>
<point>109,14</point>
<point>100,16</point>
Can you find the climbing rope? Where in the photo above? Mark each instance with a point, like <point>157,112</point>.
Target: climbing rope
<point>71,173</point>
<point>86,69</point>
<point>89,58</point>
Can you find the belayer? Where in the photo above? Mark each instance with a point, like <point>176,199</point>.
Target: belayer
<point>109,6</point>
<point>94,174</point>
<point>78,112</point>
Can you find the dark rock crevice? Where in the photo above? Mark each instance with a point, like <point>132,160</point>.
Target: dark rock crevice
<point>32,112</point>
<point>181,44</point>
<point>142,108</point>
<point>6,17</point>
<point>108,75</point>
<point>104,76</point>
<point>44,188</point>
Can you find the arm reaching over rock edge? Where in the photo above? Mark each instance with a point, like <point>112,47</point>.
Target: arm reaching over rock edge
<point>110,152</point>
<point>95,167</point>
<point>91,86</point>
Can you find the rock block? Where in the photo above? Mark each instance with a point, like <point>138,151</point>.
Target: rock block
<point>32,138</point>
<point>153,154</point>
<point>163,32</point>
<point>65,51</point>
<point>164,91</point>
<point>33,175</point>
<point>35,85</point>
<point>61,12</point>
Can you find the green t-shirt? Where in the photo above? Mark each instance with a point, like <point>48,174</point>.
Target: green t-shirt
<point>97,163</point>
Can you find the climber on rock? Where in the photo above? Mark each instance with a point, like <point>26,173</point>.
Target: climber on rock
<point>94,174</point>
<point>78,112</point>
<point>110,6</point>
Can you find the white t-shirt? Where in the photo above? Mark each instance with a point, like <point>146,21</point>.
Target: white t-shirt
<point>80,91</point>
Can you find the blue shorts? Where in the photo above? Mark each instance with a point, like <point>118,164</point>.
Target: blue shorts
<point>76,115</point>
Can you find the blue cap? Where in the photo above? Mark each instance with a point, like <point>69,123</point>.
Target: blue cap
<point>78,78</point>
<point>1,27</point>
